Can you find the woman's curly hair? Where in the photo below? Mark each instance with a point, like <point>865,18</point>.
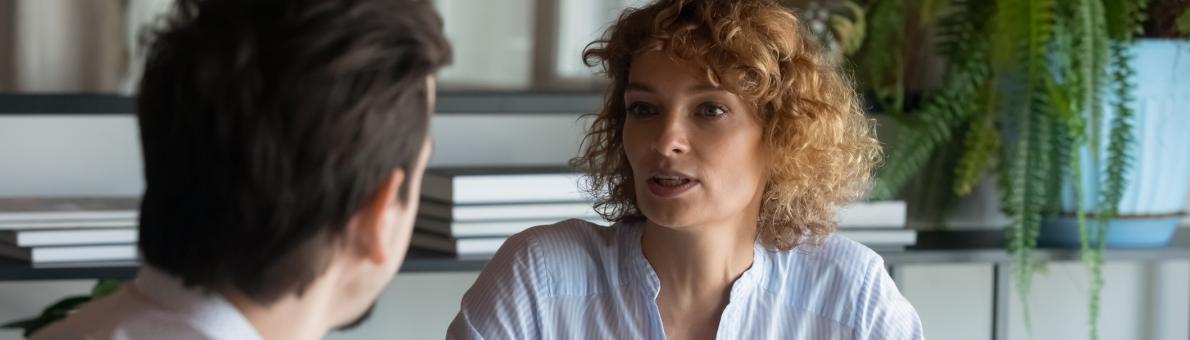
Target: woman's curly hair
<point>821,146</point>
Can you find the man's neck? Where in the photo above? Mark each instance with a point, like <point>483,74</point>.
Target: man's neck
<point>291,317</point>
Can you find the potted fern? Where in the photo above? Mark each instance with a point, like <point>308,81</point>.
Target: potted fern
<point>1150,206</point>
<point>1042,94</point>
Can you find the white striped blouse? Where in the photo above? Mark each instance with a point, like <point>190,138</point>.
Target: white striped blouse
<point>578,280</point>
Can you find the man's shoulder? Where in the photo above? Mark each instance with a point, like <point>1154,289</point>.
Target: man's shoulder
<point>122,315</point>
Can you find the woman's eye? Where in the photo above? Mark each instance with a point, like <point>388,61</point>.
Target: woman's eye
<point>639,109</point>
<point>711,110</point>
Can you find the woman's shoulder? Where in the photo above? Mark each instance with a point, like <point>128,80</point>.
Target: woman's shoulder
<point>835,256</point>
<point>569,257</point>
<point>564,239</point>
<point>568,231</point>
<point>835,278</point>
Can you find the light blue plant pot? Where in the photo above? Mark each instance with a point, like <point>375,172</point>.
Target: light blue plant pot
<point>1159,177</point>
<point>1124,232</point>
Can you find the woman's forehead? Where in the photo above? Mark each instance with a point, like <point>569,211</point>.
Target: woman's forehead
<point>658,68</point>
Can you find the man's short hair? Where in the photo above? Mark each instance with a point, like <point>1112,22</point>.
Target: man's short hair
<point>267,124</point>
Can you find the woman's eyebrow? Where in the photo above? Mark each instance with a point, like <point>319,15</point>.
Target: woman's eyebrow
<point>633,86</point>
<point>699,88</point>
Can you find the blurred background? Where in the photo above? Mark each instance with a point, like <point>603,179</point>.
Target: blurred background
<point>986,108</point>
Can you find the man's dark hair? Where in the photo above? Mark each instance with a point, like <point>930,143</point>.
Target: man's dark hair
<point>266,125</point>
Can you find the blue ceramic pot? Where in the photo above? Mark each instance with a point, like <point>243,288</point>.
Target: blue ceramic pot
<point>1123,232</point>
<point>1159,177</point>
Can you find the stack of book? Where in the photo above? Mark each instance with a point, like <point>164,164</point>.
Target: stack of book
<point>469,212</point>
<point>880,225</point>
<point>68,230</point>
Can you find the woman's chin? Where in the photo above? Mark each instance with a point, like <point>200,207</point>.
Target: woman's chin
<point>671,217</point>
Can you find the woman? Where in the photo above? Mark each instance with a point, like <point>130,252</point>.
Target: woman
<point>724,146</point>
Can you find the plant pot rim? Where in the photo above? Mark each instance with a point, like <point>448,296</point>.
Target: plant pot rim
<point>1179,214</point>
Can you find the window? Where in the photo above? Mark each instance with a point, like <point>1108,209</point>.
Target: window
<point>531,45</point>
<point>492,41</point>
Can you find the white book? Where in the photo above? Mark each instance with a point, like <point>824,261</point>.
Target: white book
<point>487,246</point>
<point>67,224</point>
<point>120,252</point>
<point>881,237</point>
<point>506,212</point>
<point>485,228</point>
<point>466,247</point>
<point>80,208</point>
<point>62,237</point>
<point>502,185</point>
<point>880,214</point>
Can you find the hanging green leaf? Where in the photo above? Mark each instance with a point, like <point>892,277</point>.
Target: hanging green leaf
<point>105,287</point>
<point>930,10</point>
<point>1183,24</point>
<point>849,29</point>
<point>964,43</point>
<point>882,63</point>
<point>981,143</point>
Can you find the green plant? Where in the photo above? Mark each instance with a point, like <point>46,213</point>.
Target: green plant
<point>1168,19</point>
<point>1023,91</point>
<point>839,26</point>
<point>64,307</point>
<point>1184,24</point>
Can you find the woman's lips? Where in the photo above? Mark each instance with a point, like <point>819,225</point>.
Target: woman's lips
<point>670,186</point>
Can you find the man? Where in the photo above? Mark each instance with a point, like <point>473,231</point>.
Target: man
<point>284,143</point>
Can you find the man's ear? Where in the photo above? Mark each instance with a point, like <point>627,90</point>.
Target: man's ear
<point>372,226</point>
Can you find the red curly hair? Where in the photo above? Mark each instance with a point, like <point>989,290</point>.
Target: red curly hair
<point>822,146</point>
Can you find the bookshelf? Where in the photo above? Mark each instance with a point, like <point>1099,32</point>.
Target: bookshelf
<point>417,261</point>
<point>933,247</point>
<point>452,102</point>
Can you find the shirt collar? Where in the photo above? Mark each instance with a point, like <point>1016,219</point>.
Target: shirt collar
<point>640,271</point>
<point>208,312</point>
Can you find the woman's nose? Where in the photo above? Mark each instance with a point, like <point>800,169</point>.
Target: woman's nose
<point>673,139</point>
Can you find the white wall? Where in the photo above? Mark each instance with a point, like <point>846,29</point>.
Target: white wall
<point>98,155</point>
<point>415,306</point>
<point>1139,302</point>
<point>937,291</point>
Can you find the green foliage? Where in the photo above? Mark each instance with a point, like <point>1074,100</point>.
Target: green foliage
<point>1025,92</point>
<point>981,143</point>
<point>105,287</point>
<point>1124,18</point>
<point>1118,160</point>
<point>849,29</point>
<point>930,10</point>
<point>1030,164</point>
<point>59,310</point>
<point>964,46</point>
<point>882,54</point>
<point>1183,24</point>
<point>51,314</point>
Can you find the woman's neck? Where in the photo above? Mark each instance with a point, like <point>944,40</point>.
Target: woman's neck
<point>697,266</point>
<point>698,260</point>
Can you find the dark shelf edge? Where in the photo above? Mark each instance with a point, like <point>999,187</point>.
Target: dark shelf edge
<point>933,248</point>
<point>463,102</point>
<point>12,270</point>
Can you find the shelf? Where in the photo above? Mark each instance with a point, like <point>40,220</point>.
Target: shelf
<point>454,102</point>
<point>987,246</point>
<point>933,247</point>
<point>417,261</point>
